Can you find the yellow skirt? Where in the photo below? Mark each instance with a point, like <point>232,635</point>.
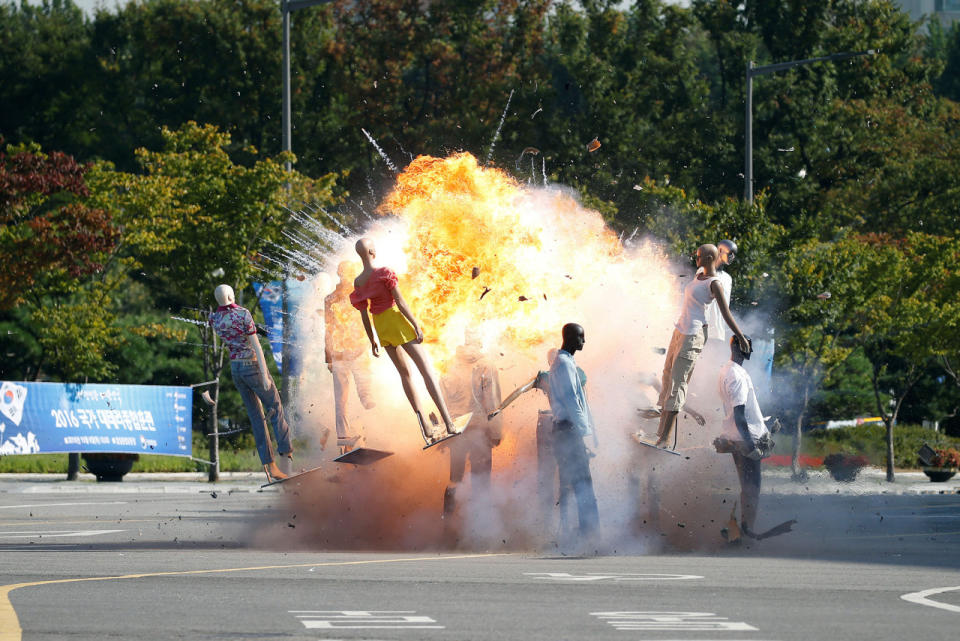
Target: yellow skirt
<point>393,328</point>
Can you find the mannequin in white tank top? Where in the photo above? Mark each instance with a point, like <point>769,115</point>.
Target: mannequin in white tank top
<point>689,336</point>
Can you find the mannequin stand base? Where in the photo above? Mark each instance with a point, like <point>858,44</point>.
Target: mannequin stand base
<point>639,440</point>
<point>362,456</point>
<point>459,425</point>
<point>289,478</point>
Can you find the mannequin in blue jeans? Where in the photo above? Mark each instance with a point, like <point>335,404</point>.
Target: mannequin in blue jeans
<point>234,325</point>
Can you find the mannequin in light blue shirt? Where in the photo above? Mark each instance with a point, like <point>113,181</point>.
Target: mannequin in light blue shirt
<point>571,422</point>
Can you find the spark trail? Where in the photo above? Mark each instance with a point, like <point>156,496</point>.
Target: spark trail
<point>496,135</point>
<point>380,151</point>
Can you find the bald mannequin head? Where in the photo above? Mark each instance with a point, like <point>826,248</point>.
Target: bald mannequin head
<point>365,248</point>
<point>726,252</point>
<point>707,257</point>
<point>224,295</point>
<point>573,338</point>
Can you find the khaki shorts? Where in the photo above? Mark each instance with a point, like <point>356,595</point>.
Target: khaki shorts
<point>681,357</point>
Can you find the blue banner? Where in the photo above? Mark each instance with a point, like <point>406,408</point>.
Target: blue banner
<point>42,418</point>
<point>271,304</point>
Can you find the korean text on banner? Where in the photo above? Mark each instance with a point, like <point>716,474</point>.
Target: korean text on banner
<point>41,418</point>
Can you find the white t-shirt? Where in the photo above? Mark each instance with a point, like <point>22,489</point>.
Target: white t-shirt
<point>717,326</point>
<point>736,388</point>
<point>696,297</point>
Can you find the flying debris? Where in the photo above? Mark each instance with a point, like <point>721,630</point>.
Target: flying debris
<point>593,145</point>
<point>486,290</point>
<point>637,188</point>
<point>823,296</point>
<point>533,151</point>
<point>786,150</point>
<point>475,272</point>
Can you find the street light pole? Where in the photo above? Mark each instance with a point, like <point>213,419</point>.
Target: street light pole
<point>285,117</point>
<point>286,8</point>
<point>748,127</point>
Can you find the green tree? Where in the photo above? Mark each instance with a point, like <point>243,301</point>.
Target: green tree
<point>820,288</point>
<point>46,66</point>
<point>55,242</point>
<point>669,213</point>
<point>195,218</point>
<point>900,316</point>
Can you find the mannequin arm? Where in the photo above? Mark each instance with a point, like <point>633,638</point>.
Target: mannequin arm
<point>261,360</point>
<point>717,290</point>
<point>328,321</point>
<point>405,310</point>
<point>514,395</point>
<point>368,328</point>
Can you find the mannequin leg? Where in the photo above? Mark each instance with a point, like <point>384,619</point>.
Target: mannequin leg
<point>419,356</point>
<point>245,378</point>
<point>270,398</point>
<point>668,421</point>
<point>341,397</point>
<point>405,379</point>
<point>749,472</point>
<point>361,379</point>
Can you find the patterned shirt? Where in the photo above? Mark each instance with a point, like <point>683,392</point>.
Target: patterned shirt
<point>233,324</point>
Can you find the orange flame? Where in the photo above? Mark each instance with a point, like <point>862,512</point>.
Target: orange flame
<point>536,252</point>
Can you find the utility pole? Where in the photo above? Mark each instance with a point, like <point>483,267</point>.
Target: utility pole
<point>748,126</point>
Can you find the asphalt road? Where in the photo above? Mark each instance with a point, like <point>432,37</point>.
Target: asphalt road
<point>194,566</point>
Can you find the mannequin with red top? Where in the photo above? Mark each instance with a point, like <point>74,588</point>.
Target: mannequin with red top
<point>375,293</point>
<point>248,368</point>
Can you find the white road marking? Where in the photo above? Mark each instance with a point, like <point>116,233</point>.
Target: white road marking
<point>15,507</point>
<point>923,516</point>
<point>684,621</point>
<point>61,533</point>
<point>364,619</point>
<point>920,598</point>
<point>595,576</point>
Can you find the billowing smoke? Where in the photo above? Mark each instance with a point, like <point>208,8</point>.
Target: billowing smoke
<point>476,250</point>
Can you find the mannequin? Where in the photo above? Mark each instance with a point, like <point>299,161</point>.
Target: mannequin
<point>726,253</point>
<point>396,328</point>
<point>248,367</point>
<point>472,385</point>
<point>689,336</point>
<point>345,357</point>
<point>571,422</point>
<point>548,496</point>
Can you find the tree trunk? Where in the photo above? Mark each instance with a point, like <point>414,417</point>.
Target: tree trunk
<point>888,422</point>
<point>797,473</point>
<point>214,474</point>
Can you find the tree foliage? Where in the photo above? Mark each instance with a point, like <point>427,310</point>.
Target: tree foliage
<point>842,152</point>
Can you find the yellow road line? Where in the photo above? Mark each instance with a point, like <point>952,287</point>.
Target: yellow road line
<point>10,624</point>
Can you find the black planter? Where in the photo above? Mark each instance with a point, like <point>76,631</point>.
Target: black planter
<point>845,473</point>
<point>939,474</point>
<point>110,467</point>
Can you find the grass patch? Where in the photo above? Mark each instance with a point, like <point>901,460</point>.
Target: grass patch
<point>869,441</point>
<point>237,454</point>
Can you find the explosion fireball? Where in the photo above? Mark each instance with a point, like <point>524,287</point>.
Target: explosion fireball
<point>474,248</point>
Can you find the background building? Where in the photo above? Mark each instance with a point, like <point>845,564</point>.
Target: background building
<point>946,10</point>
